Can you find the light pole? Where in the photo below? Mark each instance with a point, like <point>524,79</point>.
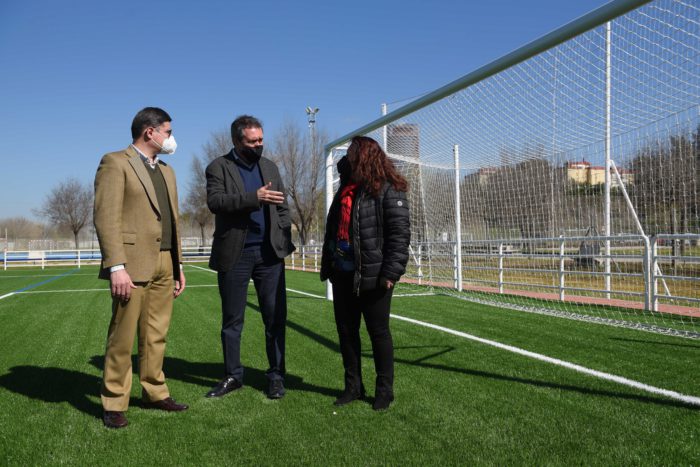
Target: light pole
<point>311,115</point>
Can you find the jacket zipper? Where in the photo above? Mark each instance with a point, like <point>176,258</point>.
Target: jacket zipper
<point>356,238</point>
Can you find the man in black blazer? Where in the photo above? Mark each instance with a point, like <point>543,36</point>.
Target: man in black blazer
<point>251,238</point>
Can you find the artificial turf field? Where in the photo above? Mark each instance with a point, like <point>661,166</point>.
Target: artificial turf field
<point>458,401</point>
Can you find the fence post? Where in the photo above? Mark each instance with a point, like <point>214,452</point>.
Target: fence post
<point>420,264</point>
<point>78,259</point>
<point>652,274</point>
<point>500,267</point>
<point>4,259</point>
<point>316,259</point>
<point>458,219</point>
<point>43,259</point>
<point>561,269</point>
<point>454,266</point>
<point>303,258</point>
<point>292,260</point>
<point>646,272</point>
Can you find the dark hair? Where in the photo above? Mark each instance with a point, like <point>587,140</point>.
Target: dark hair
<point>373,168</point>
<point>241,123</point>
<point>146,118</point>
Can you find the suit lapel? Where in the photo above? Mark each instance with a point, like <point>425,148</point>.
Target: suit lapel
<point>265,172</point>
<point>169,178</point>
<point>142,174</point>
<point>233,172</point>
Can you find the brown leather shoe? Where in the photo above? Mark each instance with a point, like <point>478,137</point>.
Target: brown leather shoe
<point>168,404</point>
<point>114,419</point>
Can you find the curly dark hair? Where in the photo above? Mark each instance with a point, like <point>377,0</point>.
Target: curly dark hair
<point>371,166</point>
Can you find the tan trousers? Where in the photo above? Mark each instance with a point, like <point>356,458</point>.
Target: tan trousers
<point>149,309</point>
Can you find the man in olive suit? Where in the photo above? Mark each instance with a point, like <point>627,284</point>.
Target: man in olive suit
<point>136,214</point>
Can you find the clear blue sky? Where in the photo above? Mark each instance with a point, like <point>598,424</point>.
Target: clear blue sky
<point>74,73</point>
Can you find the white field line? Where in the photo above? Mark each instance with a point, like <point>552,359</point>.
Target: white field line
<point>90,290</point>
<point>289,290</point>
<point>7,295</point>
<point>45,275</point>
<point>427,294</point>
<point>321,296</point>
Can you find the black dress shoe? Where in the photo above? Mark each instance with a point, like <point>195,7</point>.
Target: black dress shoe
<point>113,419</point>
<point>168,404</point>
<point>276,389</point>
<point>348,396</point>
<point>225,386</point>
<point>382,401</point>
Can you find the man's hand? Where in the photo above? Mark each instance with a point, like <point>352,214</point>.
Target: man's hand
<point>179,285</point>
<point>121,285</point>
<point>267,196</point>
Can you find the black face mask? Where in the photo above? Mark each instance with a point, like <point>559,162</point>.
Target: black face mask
<point>344,170</point>
<point>251,154</point>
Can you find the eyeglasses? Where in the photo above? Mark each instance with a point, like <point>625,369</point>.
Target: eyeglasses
<point>157,130</point>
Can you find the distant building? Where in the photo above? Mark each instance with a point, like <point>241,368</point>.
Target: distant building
<point>485,173</point>
<point>403,139</point>
<point>583,173</point>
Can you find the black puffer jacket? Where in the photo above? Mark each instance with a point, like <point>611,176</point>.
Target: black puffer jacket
<point>381,232</point>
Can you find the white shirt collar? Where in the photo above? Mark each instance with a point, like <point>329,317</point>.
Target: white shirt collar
<point>146,159</point>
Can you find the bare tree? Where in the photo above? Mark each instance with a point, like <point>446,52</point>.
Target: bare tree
<point>20,228</point>
<point>194,206</point>
<point>68,206</point>
<point>195,203</point>
<point>665,191</point>
<point>301,165</point>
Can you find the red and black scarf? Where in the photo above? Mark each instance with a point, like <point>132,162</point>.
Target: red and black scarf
<point>346,198</point>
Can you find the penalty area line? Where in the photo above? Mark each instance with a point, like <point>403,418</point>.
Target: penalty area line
<point>692,400</point>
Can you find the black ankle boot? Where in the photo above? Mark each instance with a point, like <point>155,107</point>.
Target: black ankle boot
<point>382,401</point>
<point>349,395</point>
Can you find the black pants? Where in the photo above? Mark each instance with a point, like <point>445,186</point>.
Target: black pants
<point>375,306</point>
<point>267,272</point>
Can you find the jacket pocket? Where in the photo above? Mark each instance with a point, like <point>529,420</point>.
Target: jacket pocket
<point>285,238</point>
<point>129,238</point>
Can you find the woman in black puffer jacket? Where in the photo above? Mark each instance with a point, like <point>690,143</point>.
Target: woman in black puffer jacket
<point>365,252</point>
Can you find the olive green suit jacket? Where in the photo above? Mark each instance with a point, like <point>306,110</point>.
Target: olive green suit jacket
<point>127,216</point>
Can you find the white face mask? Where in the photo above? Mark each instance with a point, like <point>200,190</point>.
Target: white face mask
<point>169,145</point>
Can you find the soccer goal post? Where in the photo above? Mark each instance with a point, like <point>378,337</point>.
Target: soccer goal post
<point>563,177</point>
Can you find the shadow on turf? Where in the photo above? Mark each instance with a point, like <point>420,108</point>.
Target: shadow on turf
<point>206,375</point>
<point>55,385</point>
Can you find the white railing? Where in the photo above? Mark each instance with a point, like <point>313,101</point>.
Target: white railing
<point>642,272</point>
<point>77,257</point>
<point>306,258</point>
<point>673,262</point>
